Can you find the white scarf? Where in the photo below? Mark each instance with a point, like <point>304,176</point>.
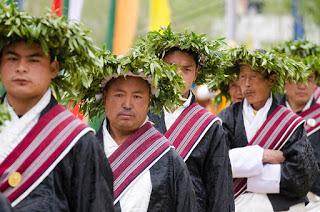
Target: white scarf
<point>253,122</point>
<point>137,197</point>
<point>17,128</point>
<point>170,118</point>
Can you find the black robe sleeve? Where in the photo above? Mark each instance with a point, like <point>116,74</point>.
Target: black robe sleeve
<point>4,204</point>
<point>210,170</point>
<point>299,169</point>
<point>315,143</point>
<point>82,181</point>
<point>172,189</point>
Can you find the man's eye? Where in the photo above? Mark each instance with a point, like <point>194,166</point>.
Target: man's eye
<point>137,97</point>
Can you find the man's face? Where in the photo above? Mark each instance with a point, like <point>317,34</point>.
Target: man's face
<point>26,72</point>
<point>235,91</point>
<point>127,103</point>
<point>254,86</point>
<point>187,67</point>
<point>300,93</point>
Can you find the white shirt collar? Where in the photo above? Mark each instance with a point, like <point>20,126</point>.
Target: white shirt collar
<point>253,122</point>
<point>306,107</point>
<point>35,110</point>
<point>110,145</point>
<point>170,118</point>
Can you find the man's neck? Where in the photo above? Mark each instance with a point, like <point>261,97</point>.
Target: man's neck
<point>295,106</point>
<point>257,106</point>
<point>21,107</point>
<point>119,136</point>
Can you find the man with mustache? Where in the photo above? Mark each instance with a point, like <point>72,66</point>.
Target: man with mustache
<point>49,159</point>
<point>148,174</point>
<point>196,133</point>
<point>302,99</point>
<point>272,161</point>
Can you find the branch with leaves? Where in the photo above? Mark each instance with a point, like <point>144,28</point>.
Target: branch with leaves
<point>267,63</point>
<point>67,42</point>
<point>4,115</point>
<point>210,58</point>
<point>166,84</point>
<point>302,51</point>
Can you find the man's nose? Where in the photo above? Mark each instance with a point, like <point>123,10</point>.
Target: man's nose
<point>22,66</point>
<point>127,104</point>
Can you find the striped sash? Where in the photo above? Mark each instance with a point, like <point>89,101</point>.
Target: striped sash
<point>136,156</point>
<point>316,95</point>
<point>40,151</point>
<point>273,134</point>
<point>312,117</point>
<point>188,130</point>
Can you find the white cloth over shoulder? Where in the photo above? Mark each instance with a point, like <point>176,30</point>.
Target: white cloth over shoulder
<point>17,128</point>
<point>137,197</point>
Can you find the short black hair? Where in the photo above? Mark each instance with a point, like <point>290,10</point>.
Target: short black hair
<point>194,54</point>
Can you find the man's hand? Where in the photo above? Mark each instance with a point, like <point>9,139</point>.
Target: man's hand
<point>273,156</point>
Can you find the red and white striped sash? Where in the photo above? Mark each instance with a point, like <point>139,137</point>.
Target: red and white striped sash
<point>312,117</point>
<point>316,95</point>
<point>135,156</point>
<point>273,134</point>
<point>188,130</point>
<point>40,151</point>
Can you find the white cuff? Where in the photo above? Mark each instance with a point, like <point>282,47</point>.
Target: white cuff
<point>267,182</point>
<point>246,161</point>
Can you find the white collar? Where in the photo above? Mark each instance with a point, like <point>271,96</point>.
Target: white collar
<point>110,145</point>
<point>253,122</point>
<point>35,110</point>
<point>306,107</point>
<point>170,117</point>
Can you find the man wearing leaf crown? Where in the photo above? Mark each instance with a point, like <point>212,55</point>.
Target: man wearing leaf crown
<point>272,161</point>
<point>49,159</point>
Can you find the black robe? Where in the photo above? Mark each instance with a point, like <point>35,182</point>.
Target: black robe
<point>209,168</point>
<point>82,181</point>
<point>171,184</point>
<point>4,204</point>
<point>315,143</point>
<point>297,171</point>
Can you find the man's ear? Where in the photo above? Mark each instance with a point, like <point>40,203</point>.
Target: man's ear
<point>273,79</point>
<point>54,69</point>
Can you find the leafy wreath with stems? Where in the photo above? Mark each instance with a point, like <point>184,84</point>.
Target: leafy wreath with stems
<point>303,51</point>
<point>163,79</point>
<point>210,58</point>
<point>266,62</point>
<point>4,115</point>
<point>67,42</point>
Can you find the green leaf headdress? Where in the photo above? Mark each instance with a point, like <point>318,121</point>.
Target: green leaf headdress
<point>303,51</point>
<point>4,115</point>
<point>68,42</point>
<point>165,83</point>
<point>209,58</point>
<point>267,63</point>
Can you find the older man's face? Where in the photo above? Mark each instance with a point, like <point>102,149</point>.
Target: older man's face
<point>254,86</point>
<point>127,103</point>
